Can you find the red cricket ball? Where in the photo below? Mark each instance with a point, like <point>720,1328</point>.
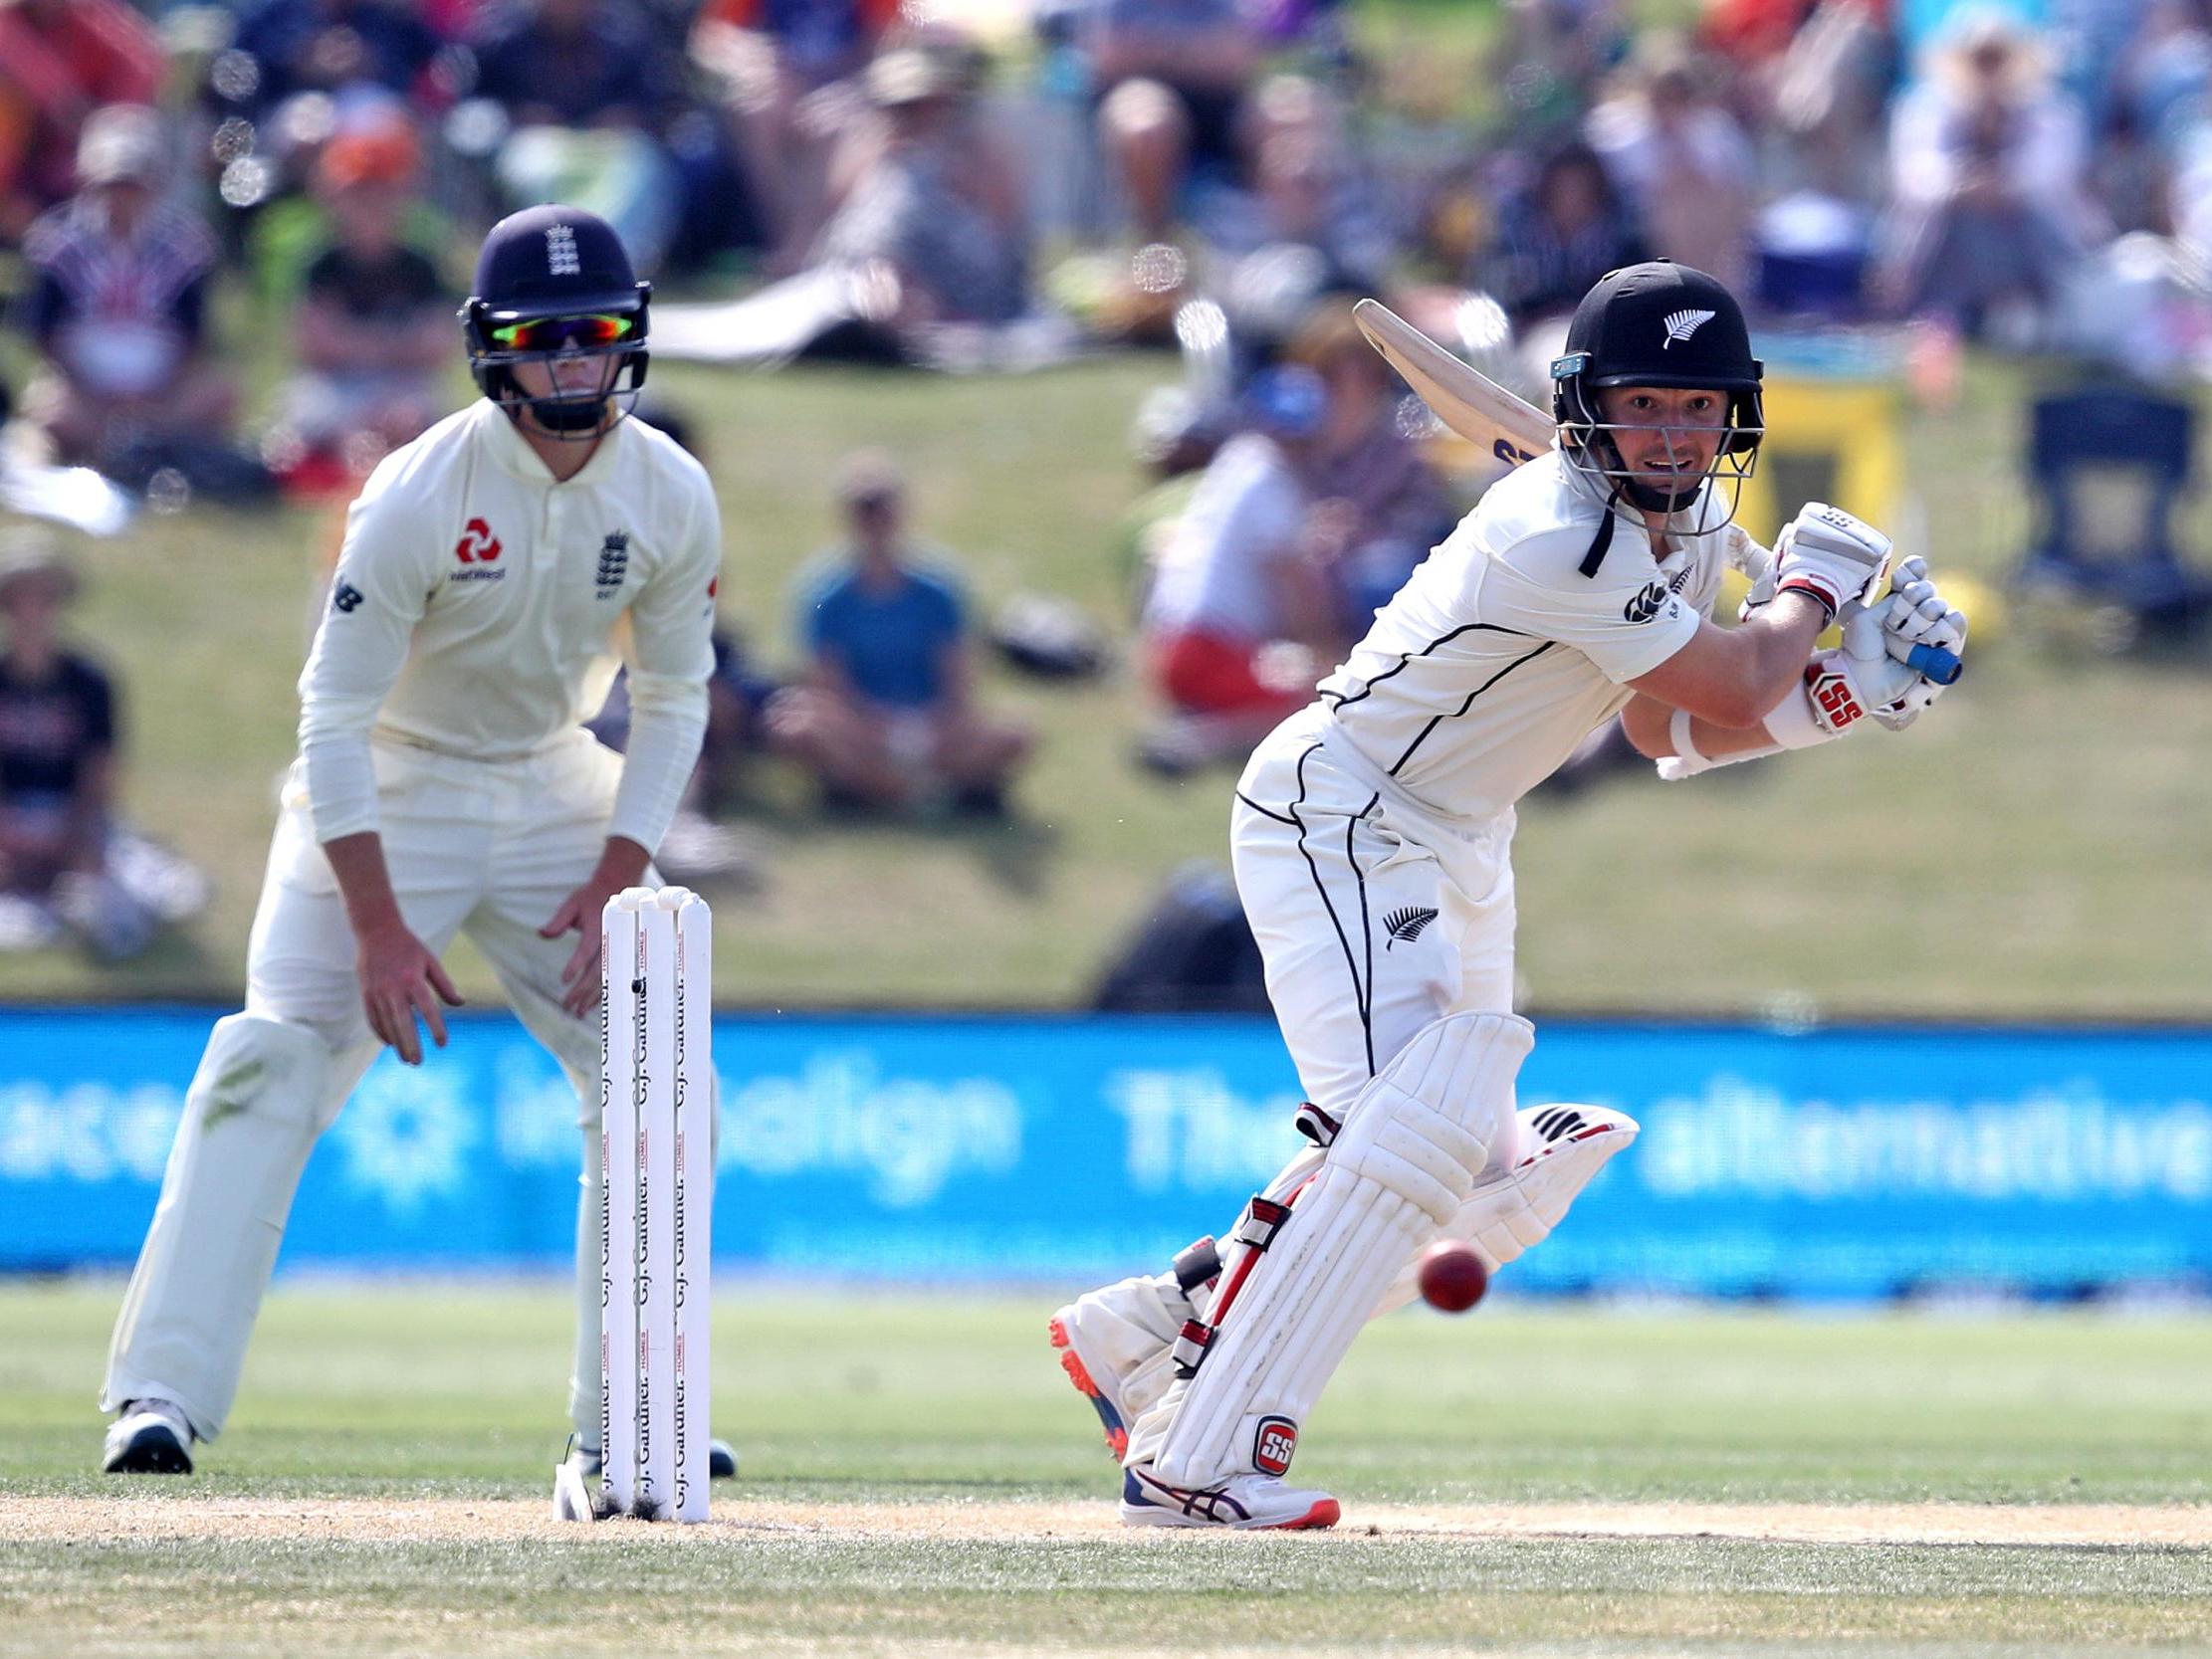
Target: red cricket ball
<point>1452,1276</point>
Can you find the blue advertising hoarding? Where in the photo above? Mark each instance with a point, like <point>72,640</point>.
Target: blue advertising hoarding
<point>1837,1164</point>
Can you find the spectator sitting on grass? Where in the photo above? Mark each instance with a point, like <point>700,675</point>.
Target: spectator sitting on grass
<point>591,86</point>
<point>375,326</point>
<point>784,70</point>
<point>886,717</point>
<point>60,60</point>
<point>1173,78</point>
<point>63,866</point>
<point>118,305</point>
<point>1379,505</point>
<point>1989,162</point>
<point>1683,158</point>
<point>334,45</point>
<point>930,197</point>
<point>1239,621</point>
<point>1568,228</point>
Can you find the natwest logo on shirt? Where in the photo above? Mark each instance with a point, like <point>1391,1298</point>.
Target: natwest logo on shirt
<point>478,549</point>
<point>477,542</point>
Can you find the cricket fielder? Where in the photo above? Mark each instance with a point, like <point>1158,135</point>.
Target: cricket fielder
<point>1371,835</point>
<point>445,786</point>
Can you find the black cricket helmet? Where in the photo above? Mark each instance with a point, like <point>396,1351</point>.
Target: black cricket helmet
<point>1658,324</point>
<point>548,263</point>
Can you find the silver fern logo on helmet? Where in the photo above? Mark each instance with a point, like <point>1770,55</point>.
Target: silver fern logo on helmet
<point>1682,325</point>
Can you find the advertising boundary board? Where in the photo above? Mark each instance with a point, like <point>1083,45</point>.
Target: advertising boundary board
<point>1836,1164</point>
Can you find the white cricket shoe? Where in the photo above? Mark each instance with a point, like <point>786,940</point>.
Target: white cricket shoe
<point>150,1437</point>
<point>1242,1503</point>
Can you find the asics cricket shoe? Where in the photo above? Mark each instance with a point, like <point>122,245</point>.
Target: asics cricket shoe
<point>150,1437</point>
<point>1065,1328</point>
<point>1242,1503</point>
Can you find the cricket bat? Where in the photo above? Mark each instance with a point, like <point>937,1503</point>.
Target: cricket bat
<point>1509,427</point>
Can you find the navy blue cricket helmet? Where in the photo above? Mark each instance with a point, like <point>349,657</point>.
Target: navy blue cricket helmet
<point>550,279</point>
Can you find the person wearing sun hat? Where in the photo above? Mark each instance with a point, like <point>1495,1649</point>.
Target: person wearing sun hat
<point>117,301</point>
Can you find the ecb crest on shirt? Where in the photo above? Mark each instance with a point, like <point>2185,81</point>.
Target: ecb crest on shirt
<point>615,563</point>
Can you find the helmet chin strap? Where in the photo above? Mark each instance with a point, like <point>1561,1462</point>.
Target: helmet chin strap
<point>575,419</point>
<point>1660,500</point>
<point>567,417</point>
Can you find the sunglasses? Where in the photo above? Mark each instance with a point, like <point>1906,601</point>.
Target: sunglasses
<point>553,334</point>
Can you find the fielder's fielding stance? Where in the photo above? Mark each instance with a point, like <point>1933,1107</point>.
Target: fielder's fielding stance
<point>445,786</point>
<point>1371,834</point>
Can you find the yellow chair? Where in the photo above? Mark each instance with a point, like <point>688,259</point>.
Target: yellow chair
<point>1833,441</point>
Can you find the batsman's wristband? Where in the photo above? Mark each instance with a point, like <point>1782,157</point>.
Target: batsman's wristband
<point>1812,588</point>
<point>1685,746</point>
<point>1687,761</point>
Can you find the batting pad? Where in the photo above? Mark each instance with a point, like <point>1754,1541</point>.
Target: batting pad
<point>1405,1163</point>
<point>1563,1149</point>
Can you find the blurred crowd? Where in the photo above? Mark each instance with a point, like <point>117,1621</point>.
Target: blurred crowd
<point>947,185</point>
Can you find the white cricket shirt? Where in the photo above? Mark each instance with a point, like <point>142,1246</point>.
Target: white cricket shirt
<point>1510,643</point>
<point>475,605</point>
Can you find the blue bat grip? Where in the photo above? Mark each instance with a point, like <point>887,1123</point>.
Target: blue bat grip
<point>1939,664</point>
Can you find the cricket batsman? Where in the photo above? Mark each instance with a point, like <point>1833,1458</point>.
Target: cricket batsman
<point>1371,836</point>
<point>491,569</point>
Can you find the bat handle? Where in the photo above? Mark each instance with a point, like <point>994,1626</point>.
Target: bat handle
<point>1939,664</point>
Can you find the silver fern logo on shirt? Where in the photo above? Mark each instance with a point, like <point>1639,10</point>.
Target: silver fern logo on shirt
<point>615,563</point>
<point>1406,924</point>
<point>1682,325</point>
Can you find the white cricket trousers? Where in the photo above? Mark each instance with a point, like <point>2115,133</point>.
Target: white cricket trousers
<point>1375,918</point>
<point>486,849</point>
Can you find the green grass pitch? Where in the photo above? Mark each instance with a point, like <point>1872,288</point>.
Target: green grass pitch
<point>918,1478</point>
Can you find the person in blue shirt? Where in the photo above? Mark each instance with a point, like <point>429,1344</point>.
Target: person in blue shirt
<point>885,716</point>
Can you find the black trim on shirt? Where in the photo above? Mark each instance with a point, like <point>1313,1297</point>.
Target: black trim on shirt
<point>1436,720</point>
<point>1404,656</point>
<point>1264,811</point>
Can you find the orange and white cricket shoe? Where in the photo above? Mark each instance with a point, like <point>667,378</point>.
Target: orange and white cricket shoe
<point>1117,1342</point>
<point>1062,1327</point>
<point>1242,1503</point>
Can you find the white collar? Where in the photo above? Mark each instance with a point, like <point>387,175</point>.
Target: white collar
<point>512,449</point>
